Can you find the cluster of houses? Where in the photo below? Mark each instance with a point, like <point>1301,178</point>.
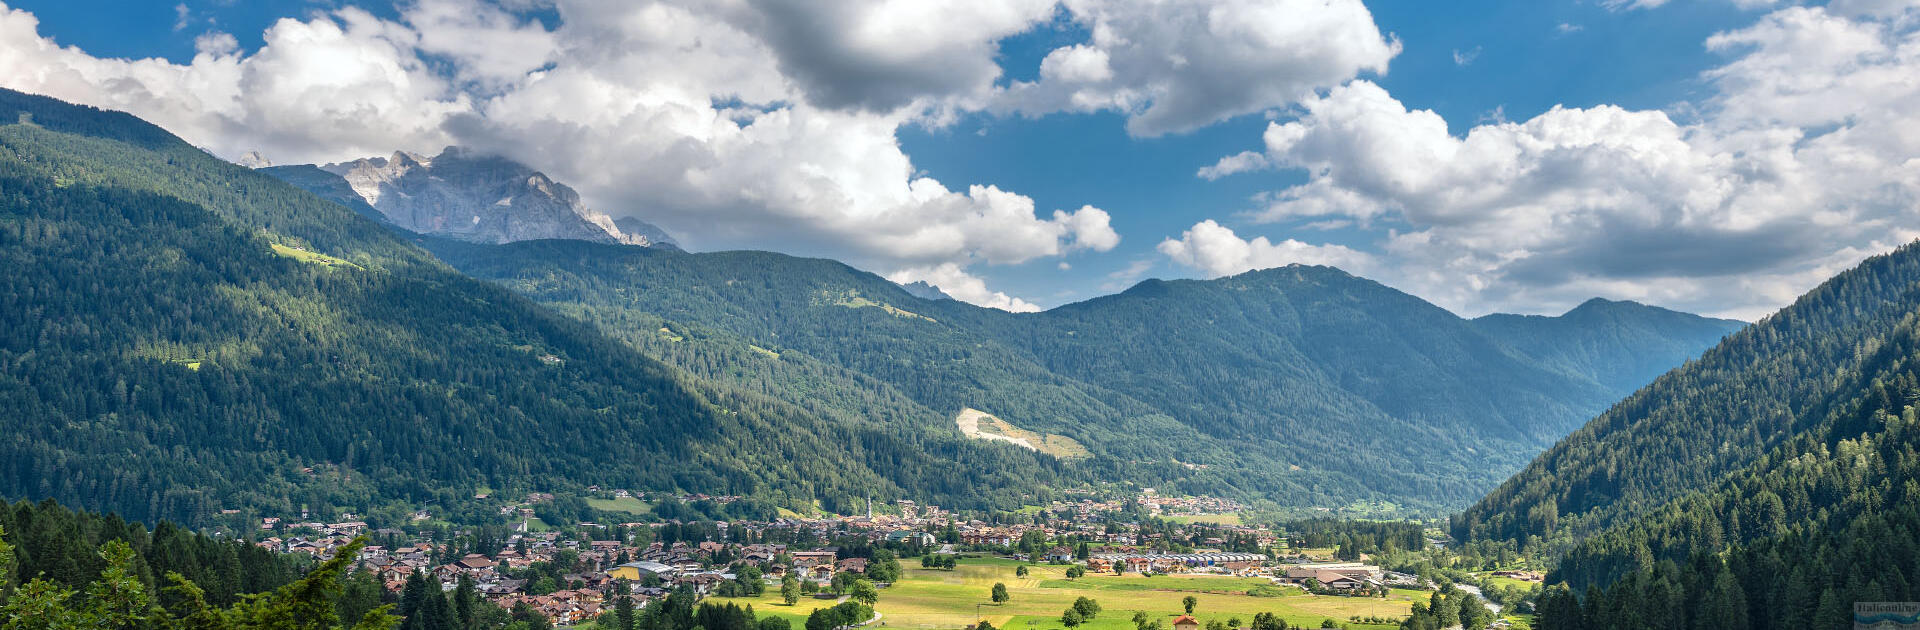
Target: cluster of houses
<point>1345,576</point>
<point>1159,504</point>
<point>580,595</point>
<point>1132,561</point>
<point>655,569</point>
<point>1077,517</point>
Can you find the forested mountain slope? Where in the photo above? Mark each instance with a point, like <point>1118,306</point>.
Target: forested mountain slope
<point>1303,384</point>
<point>851,345</point>
<point>180,335</point>
<point>1298,344</point>
<point>1623,345</point>
<point>1772,444</point>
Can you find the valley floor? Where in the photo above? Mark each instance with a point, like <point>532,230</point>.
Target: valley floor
<point>938,599</point>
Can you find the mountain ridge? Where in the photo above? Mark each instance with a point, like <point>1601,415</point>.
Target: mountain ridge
<point>221,339</point>
<point>799,378</point>
<point>471,196</point>
<point>1768,484</point>
<point>1675,466</point>
<point>1002,363</point>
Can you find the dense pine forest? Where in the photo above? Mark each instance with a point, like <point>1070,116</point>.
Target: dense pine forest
<point>70,570</point>
<point>1770,484</point>
<point>49,542</point>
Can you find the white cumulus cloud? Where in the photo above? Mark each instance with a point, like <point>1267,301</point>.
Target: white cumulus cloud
<point>762,124</point>
<point>1217,251</point>
<point>1802,162</point>
<point>1177,66</point>
<point>963,286</point>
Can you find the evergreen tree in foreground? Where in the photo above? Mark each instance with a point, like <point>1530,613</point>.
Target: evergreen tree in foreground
<point>118,599</point>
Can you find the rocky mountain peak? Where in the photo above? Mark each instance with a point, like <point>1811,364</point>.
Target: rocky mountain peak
<point>483,198</point>
<point>925,290</point>
<point>254,159</point>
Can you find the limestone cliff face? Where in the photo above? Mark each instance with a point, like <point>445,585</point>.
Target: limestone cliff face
<point>481,198</point>
<point>925,291</point>
<point>654,236</point>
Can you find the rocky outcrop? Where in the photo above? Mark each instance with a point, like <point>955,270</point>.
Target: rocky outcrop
<point>481,198</point>
<point>653,235</point>
<point>253,159</point>
<point>327,185</point>
<point>925,291</point>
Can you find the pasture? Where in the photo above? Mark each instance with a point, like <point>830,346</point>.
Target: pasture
<point>929,599</point>
<point>1211,519</point>
<point>627,505</point>
<point>303,255</point>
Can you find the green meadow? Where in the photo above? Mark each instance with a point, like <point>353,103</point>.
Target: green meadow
<point>628,505</point>
<point>310,257</point>
<point>1212,519</point>
<point>937,599</point>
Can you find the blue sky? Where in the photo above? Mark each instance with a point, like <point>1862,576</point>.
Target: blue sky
<point>1521,64</point>
<point>1471,63</point>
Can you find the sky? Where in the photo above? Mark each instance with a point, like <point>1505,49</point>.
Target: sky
<point>1713,156</point>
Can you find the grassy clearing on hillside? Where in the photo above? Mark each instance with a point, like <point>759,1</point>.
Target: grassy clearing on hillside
<point>853,299</point>
<point>628,505</point>
<point>933,599</point>
<point>311,257</point>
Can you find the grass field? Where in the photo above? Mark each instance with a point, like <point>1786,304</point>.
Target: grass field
<point>627,505</point>
<point>1507,581</point>
<point>855,300</point>
<point>934,599</point>
<point>1211,519</point>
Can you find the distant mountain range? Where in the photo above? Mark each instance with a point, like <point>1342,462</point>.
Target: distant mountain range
<point>467,196</point>
<point>1302,384</point>
<point>181,335</point>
